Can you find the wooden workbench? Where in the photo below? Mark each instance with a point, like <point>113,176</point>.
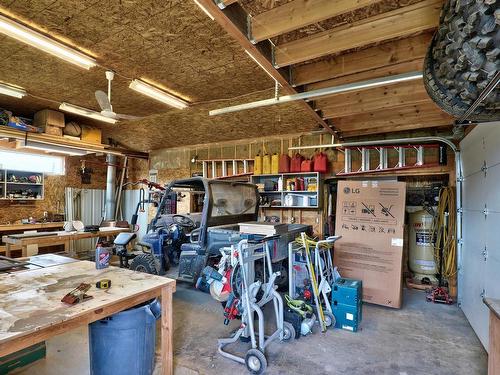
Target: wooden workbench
<point>57,238</point>
<point>494,346</point>
<point>6,229</point>
<point>31,310</point>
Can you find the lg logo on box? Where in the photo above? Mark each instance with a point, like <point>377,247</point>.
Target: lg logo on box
<point>348,190</point>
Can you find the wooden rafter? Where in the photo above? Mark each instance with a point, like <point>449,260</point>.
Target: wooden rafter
<point>386,71</point>
<point>411,117</point>
<point>233,21</point>
<point>398,23</point>
<point>299,13</point>
<point>385,97</point>
<point>383,55</point>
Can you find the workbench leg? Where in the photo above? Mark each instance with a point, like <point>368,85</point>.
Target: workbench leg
<point>494,347</point>
<point>24,250</point>
<point>7,250</point>
<point>167,328</point>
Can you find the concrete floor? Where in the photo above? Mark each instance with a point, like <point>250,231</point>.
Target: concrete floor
<point>421,338</point>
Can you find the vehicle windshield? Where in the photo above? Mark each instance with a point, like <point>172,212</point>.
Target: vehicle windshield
<point>229,200</point>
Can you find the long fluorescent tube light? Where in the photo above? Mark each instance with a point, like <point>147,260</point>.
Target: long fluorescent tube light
<point>204,10</point>
<point>77,110</point>
<point>12,91</point>
<point>321,92</point>
<point>40,41</point>
<point>157,94</point>
<point>259,64</point>
<point>53,148</point>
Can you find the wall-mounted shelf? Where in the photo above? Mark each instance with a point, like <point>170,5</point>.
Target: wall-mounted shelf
<point>21,189</point>
<point>290,198</point>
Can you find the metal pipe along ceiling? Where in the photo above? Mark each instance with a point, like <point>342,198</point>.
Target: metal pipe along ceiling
<point>376,82</point>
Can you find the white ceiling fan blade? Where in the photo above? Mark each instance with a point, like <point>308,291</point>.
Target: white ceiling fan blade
<point>102,99</point>
<point>127,117</point>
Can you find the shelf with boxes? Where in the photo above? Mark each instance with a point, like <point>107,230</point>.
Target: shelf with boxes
<point>289,190</point>
<point>21,185</point>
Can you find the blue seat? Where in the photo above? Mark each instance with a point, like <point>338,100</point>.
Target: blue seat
<point>123,239</point>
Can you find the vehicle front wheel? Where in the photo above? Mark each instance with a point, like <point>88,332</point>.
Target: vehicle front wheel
<point>145,263</point>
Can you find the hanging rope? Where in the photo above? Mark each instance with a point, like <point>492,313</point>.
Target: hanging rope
<point>444,231</point>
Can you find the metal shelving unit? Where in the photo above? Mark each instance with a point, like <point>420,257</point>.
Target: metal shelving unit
<point>301,199</point>
<point>9,189</point>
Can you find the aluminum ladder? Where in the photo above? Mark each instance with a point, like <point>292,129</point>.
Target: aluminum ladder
<point>228,168</point>
<point>403,153</point>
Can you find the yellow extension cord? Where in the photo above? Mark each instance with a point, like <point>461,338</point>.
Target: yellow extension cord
<point>445,235</point>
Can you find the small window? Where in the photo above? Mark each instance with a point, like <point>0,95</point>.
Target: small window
<point>19,161</point>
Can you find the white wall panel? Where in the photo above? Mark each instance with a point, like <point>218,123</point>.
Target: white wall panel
<point>480,269</point>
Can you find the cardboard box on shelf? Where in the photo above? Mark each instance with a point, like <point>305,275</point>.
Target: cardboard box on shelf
<point>49,117</point>
<point>90,134</point>
<point>370,219</point>
<point>53,130</point>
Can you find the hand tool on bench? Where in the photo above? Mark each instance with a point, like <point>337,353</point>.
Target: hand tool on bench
<point>77,295</point>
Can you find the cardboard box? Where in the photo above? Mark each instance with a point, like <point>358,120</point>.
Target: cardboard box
<point>49,117</point>
<point>370,219</point>
<point>53,130</point>
<point>90,134</point>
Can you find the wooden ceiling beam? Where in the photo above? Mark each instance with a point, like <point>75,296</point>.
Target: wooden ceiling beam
<point>299,13</point>
<point>233,20</point>
<point>415,116</point>
<point>384,97</point>
<point>383,55</point>
<point>386,71</point>
<point>423,124</point>
<point>398,23</point>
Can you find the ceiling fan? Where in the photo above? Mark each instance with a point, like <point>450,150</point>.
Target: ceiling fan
<point>104,101</point>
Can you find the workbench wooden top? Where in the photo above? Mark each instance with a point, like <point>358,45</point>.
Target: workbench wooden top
<point>494,305</point>
<point>30,302</point>
<point>31,226</point>
<point>15,239</point>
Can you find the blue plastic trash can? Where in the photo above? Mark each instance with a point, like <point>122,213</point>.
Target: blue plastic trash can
<point>124,343</point>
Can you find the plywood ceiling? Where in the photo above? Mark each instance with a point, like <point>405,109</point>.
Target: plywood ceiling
<point>169,42</point>
<point>174,44</point>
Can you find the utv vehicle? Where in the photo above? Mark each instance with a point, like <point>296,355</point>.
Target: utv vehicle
<point>193,240</point>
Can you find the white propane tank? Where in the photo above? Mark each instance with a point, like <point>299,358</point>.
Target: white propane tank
<point>421,246</point>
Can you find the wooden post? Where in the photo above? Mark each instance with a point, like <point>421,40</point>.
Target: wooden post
<point>494,349</point>
<point>166,331</point>
<point>7,250</point>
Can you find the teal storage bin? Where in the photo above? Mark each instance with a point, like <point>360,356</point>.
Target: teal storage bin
<point>347,317</point>
<point>347,291</point>
<point>347,301</point>
<point>125,343</point>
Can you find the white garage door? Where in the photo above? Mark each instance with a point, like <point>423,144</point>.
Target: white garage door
<point>480,272</point>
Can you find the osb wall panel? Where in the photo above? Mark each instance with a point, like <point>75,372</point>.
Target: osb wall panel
<point>53,202</point>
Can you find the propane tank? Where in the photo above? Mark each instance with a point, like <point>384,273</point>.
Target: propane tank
<point>421,247</point>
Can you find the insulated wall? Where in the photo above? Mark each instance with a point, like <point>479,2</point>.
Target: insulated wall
<point>480,271</point>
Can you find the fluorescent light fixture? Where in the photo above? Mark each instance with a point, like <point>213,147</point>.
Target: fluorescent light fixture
<point>53,148</point>
<point>321,92</point>
<point>77,110</point>
<point>157,94</point>
<point>259,64</point>
<point>204,10</point>
<point>40,41</point>
<point>12,91</point>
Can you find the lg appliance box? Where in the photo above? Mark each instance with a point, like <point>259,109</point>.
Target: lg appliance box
<point>370,219</point>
